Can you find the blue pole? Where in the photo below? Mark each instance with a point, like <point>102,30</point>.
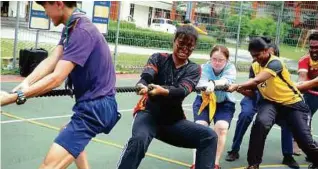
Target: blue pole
<point>189,9</point>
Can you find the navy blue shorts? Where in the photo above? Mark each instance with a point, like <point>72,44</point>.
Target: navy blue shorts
<point>224,111</point>
<point>89,119</point>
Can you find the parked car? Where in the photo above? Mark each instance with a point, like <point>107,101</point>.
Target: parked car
<point>163,25</point>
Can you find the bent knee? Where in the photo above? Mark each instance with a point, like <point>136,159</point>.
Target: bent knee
<point>202,122</point>
<point>221,127</point>
<point>263,123</point>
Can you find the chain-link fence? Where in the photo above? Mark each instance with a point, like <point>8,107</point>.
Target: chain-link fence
<point>148,27</point>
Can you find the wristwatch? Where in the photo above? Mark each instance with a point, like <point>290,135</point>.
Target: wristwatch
<point>21,98</point>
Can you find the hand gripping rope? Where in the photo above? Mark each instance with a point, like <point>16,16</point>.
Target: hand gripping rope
<point>67,92</point>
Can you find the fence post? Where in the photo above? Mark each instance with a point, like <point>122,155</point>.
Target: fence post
<point>238,32</point>
<point>37,38</point>
<point>280,14</point>
<point>15,45</point>
<point>189,11</point>
<point>117,33</point>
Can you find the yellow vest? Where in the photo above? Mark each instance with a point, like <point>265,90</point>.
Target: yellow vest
<point>279,88</point>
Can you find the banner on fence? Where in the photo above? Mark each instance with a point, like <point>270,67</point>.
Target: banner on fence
<point>37,18</point>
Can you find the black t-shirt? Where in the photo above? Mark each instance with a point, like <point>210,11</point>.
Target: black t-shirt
<point>161,70</point>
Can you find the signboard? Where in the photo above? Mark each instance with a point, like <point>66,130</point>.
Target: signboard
<point>100,15</point>
<point>38,19</point>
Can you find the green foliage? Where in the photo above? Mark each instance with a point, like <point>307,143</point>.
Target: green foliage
<point>152,39</point>
<point>263,26</point>
<point>291,35</point>
<point>232,25</point>
<point>122,25</point>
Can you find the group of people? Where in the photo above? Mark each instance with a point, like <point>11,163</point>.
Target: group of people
<point>83,58</point>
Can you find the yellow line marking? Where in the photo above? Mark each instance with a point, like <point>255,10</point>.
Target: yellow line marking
<point>271,166</point>
<point>95,139</point>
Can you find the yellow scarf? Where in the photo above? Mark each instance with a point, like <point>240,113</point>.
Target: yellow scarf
<point>208,99</point>
<point>313,64</point>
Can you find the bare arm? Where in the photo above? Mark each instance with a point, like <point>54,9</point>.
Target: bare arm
<point>253,82</point>
<point>47,83</point>
<point>44,68</point>
<point>307,85</point>
<point>302,76</point>
<point>51,81</point>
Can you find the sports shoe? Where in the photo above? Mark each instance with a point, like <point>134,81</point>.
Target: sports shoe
<point>232,156</point>
<point>290,161</point>
<point>312,166</point>
<point>252,167</point>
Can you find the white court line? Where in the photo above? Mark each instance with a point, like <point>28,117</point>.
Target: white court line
<point>51,117</point>
<point>125,110</point>
<point>57,117</point>
<point>235,119</point>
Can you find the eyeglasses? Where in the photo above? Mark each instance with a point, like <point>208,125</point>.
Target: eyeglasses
<point>215,60</point>
<point>188,47</point>
<point>254,55</point>
<point>313,48</point>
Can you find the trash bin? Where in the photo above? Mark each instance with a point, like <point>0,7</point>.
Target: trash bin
<point>30,59</point>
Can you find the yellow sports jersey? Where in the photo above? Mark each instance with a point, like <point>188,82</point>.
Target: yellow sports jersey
<point>279,88</point>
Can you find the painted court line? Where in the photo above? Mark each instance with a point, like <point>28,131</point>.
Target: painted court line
<point>109,143</point>
<point>50,117</point>
<point>57,117</point>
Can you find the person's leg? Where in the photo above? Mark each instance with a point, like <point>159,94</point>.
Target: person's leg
<point>202,118</point>
<point>248,110</point>
<point>264,121</point>
<point>81,161</point>
<point>90,118</point>
<point>57,157</point>
<point>286,138</point>
<point>298,118</point>
<point>287,145</point>
<point>311,100</point>
<point>143,131</point>
<point>70,142</point>
<point>187,134</point>
<point>206,124</point>
<point>222,118</point>
<point>221,129</point>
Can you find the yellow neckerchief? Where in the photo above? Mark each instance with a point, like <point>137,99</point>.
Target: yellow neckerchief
<point>208,99</point>
<point>313,63</point>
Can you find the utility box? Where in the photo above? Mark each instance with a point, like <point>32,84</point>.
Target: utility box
<point>29,59</point>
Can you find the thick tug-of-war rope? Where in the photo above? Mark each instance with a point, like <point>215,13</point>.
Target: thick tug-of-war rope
<point>67,92</point>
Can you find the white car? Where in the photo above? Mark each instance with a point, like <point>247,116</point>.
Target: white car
<point>163,25</point>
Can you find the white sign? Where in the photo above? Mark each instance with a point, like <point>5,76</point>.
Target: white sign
<point>38,19</point>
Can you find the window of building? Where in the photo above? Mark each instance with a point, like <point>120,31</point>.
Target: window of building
<point>132,10</point>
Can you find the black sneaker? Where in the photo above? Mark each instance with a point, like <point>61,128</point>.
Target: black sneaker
<point>290,161</point>
<point>232,156</point>
<point>308,160</point>
<point>312,166</point>
<point>252,167</point>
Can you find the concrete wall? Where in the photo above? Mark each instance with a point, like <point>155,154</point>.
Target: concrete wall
<point>12,11</point>
<point>141,16</point>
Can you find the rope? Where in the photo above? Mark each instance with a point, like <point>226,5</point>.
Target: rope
<point>68,92</point>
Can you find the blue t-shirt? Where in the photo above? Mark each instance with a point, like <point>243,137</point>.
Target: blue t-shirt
<point>94,74</point>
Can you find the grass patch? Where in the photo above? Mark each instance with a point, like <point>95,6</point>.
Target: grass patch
<point>8,44</point>
<point>286,51</point>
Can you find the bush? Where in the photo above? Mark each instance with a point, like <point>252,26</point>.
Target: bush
<point>153,39</point>
<point>232,26</point>
<point>122,25</point>
<point>291,35</point>
<point>263,27</point>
